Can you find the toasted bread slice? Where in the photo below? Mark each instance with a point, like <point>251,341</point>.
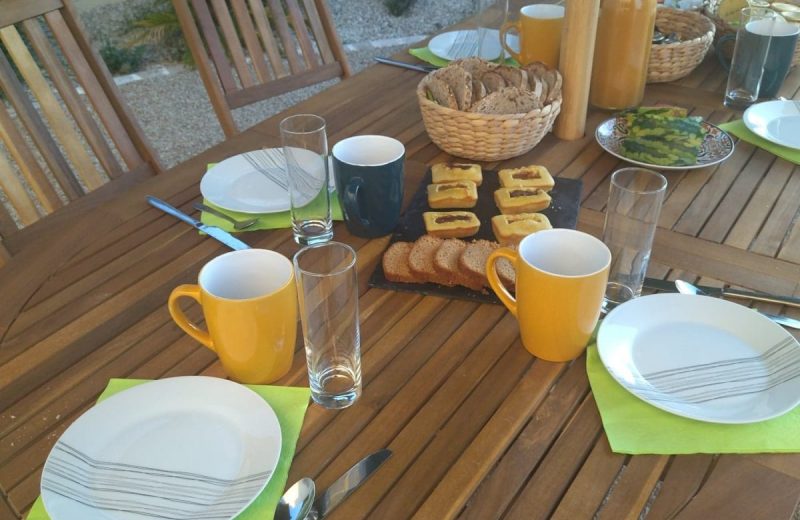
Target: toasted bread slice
<point>508,100</point>
<point>440,92</point>
<point>554,82</point>
<point>473,261</point>
<point>478,91</point>
<point>420,258</point>
<point>493,82</point>
<point>445,261</point>
<point>514,76</point>
<point>460,82</point>
<point>475,66</point>
<point>506,273</point>
<point>395,263</point>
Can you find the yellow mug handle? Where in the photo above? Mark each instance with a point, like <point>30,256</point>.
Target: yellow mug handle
<point>503,30</point>
<point>494,280</point>
<point>189,291</point>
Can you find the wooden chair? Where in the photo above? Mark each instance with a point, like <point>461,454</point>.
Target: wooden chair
<point>65,129</point>
<point>246,51</point>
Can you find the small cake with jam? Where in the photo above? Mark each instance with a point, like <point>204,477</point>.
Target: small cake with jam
<point>450,172</point>
<point>451,224</point>
<point>528,177</point>
<point>521,200</point>
<point>511,229</point>
<point>456,194</point>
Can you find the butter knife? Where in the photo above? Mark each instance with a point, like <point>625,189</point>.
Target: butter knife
<point>718,292</point>
<point>212,231</point>
<point>412,66</point>
<point>347,483</point>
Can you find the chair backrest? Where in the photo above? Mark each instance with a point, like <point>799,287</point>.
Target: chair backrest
<point>250,50</point>
<point>65,129</point>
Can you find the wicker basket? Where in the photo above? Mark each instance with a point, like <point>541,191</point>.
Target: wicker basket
<point>672,61</point>
<point>485,137</point>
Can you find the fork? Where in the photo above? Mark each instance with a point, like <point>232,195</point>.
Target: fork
<point>237,224</point>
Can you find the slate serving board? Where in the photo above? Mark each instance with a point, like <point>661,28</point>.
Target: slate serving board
<point>563,213</point>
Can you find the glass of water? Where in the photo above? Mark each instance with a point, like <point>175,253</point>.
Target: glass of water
<point>328,294</point>
<point>305,146</point>
<point>634,204</point>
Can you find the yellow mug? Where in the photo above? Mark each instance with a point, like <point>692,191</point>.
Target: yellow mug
<point>249,301</point>
<point>561,280</point>
<point>539,29</point>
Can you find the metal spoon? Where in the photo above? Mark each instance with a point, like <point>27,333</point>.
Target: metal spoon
<point>687,288</point>
<point>297,502</point>
<point>237,224</point>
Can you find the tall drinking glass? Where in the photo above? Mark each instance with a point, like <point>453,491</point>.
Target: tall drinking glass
<point>327,289</point>
<point>634,204</point>
<point>756,26</point>
<point>305,146</point>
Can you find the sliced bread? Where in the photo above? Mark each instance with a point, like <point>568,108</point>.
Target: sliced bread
<point>420,258</point>
<point>441,93</point>
<point>445,261</point>
<point>460,82</point>
<point>473,261</point>
<point>395,263</point>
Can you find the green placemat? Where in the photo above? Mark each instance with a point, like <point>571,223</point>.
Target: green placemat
<point>741,131</point>
<point>426,55</point>
<point>289,404</point>
<point>265,220</point>
<point>635,427</point>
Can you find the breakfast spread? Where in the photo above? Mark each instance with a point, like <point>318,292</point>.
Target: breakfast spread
<point>533,176</point>
<point>456,194</point>
<point>451,224</point>
<point>476,85</point>
<point>451,172</point>
<point>511,229</point>
<point>521,200</point>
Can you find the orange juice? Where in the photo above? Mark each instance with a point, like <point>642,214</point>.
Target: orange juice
<point>621,52</point>
<point>539,28</point>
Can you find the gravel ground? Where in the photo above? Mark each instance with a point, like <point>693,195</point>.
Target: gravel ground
<point>174,110</point>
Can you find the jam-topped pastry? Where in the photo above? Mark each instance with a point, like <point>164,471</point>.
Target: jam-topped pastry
<point>511,229</point>
<point>528,176</point>
<point>521,200</point>
<point>451,224</point>
<point>456,194</point>
<point>449,172</point>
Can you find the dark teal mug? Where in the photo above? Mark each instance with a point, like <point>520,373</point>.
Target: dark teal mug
<point>368,170</point>
<point>779,37</point>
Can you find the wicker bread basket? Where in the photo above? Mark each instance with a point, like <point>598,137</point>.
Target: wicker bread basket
<point>672,61</point>
<point>485,137</point>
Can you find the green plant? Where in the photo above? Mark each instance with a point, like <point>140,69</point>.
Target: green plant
<point>159,26</point>
<point>398,7</point>
<point>123,60</point>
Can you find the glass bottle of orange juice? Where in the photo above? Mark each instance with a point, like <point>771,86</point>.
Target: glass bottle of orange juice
<point>621,52</point>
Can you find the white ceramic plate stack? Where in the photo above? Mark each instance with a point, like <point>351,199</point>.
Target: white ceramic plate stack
<point>184,447</point>
<point>701,357</point>
<point>454,45</point>
<point>776,121</point>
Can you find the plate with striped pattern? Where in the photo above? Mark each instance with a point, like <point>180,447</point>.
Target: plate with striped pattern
<point>703,358</point>
<point>183,447</point>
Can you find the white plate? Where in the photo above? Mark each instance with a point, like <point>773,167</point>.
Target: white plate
<point>703,358</point>
<point>717,145</point>
<point>184,447</point>
<point>463,44</point>
<point>234,184</point>
<point>776,121</point>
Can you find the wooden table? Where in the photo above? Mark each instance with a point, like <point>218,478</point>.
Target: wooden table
<point>479,428</point>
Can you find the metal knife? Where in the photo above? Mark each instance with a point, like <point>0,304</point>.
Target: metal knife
<point>347,483</point>
<point>412,66</point>
<point>718,292</point>
<point>667,286</point>
<point>212,231</point>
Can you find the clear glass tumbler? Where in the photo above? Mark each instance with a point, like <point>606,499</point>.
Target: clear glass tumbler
<point>634,204</point>
<point>305,146</point>
<point>327,289</point>
<point>750,52</point>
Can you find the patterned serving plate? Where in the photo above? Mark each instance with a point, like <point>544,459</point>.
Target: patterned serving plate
<point>717,145</point>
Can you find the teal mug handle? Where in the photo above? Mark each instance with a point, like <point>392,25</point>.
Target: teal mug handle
<point>350,199</point>
<point>723,60</point>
